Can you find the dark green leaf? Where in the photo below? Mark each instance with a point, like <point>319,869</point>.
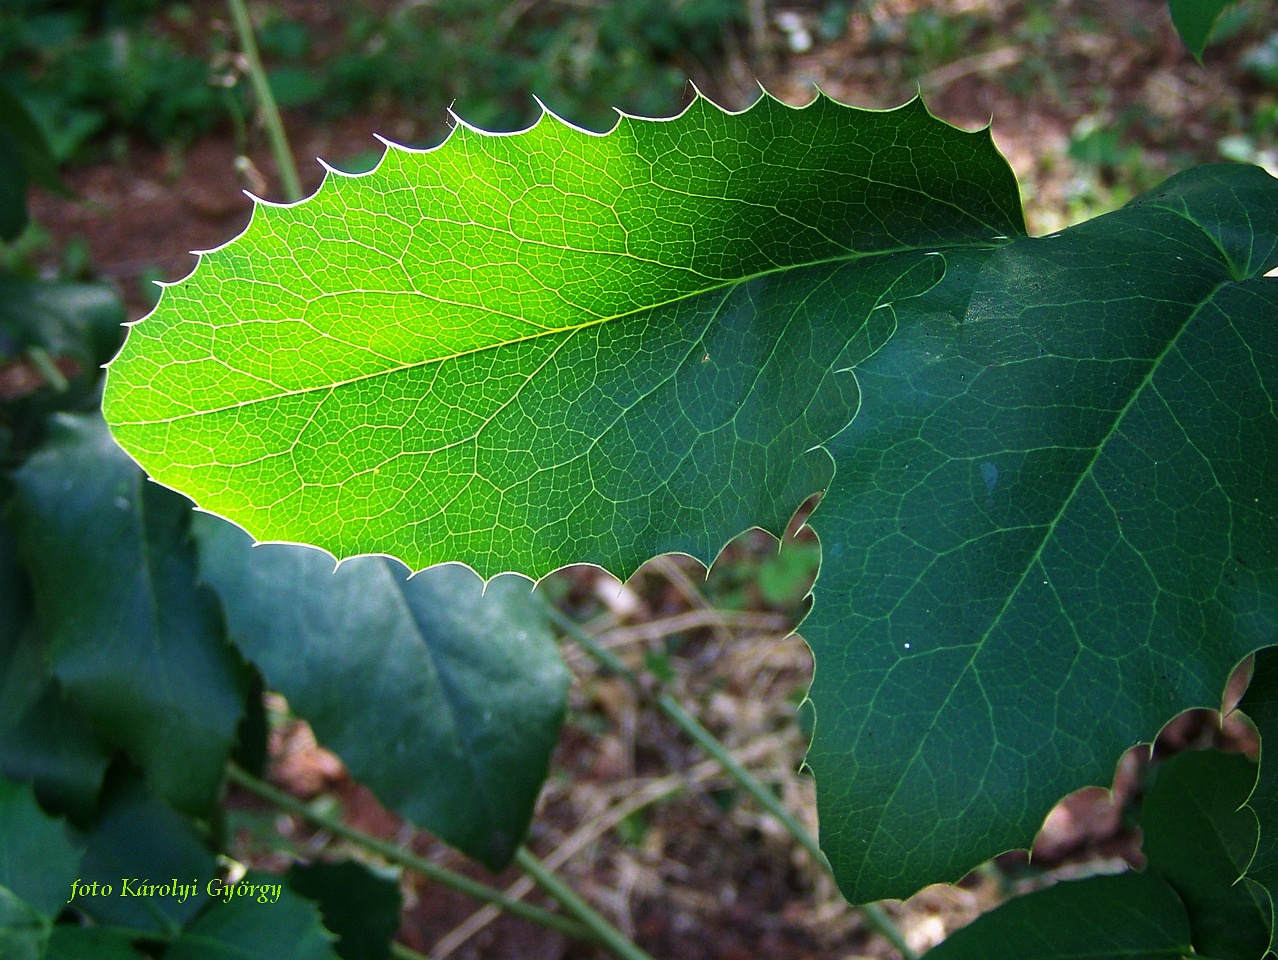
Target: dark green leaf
<point>442,694</point>
<point>132,640</point>
<point>13,188</point>
<point>1200,837</point>
<point>1052,526</point>
<point>43,739</point>
<point>251,746</point>
<point>138,841</point>
<point>79,320</point>
<point>242,928</point>
<point>23,932</point>
<point>1260,703</point>
<point>1194,20</point>
<point>38,862</point>
<point>38,162</point>
<point>89,943</point>
<point>358,905</point>
<point>1132,916</point>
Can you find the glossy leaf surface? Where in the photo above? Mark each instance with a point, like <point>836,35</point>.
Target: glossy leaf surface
<point>459,686</point>
<point>131,639</point>
<point>1051,522</point>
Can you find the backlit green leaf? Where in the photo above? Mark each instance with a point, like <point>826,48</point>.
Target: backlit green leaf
<point>525,351</point>
<point>1053,519</point>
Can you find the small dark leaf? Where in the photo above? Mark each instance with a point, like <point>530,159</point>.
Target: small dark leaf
<point>38,162</point>
<point>1194,20</point>
<point>359,906</point>
<point>1200,837</point>
<point>1129,916</point>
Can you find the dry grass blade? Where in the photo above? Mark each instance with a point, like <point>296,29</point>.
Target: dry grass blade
<point>693,620</point>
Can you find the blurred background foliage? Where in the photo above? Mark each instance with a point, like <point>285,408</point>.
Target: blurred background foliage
<point>162,71</point>
<point>99,75</point>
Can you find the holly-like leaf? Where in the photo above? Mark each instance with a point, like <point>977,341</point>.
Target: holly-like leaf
<point>1053,526</point>
<point>131,639</point>
<point>1200,837</point>
<point>1100,918</point>
<point>444,695</point>
<point>1053,519</point>
<point>584,348</point>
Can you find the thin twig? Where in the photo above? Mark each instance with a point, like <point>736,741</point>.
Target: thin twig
<point>409,861</point>
<point>604,932</point>
<point>266,102</point>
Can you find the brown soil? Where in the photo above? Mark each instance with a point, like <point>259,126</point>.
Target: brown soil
<point>704,874</point>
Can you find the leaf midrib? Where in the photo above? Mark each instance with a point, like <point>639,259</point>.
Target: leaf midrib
<point>848,257</point>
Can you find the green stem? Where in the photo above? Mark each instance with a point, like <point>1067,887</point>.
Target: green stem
<point>266,101</point>
<point>394,854</point>
<point>874,914</point>
<point>608,935</point>
<point>45,366</point>
<point>401,952</point>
